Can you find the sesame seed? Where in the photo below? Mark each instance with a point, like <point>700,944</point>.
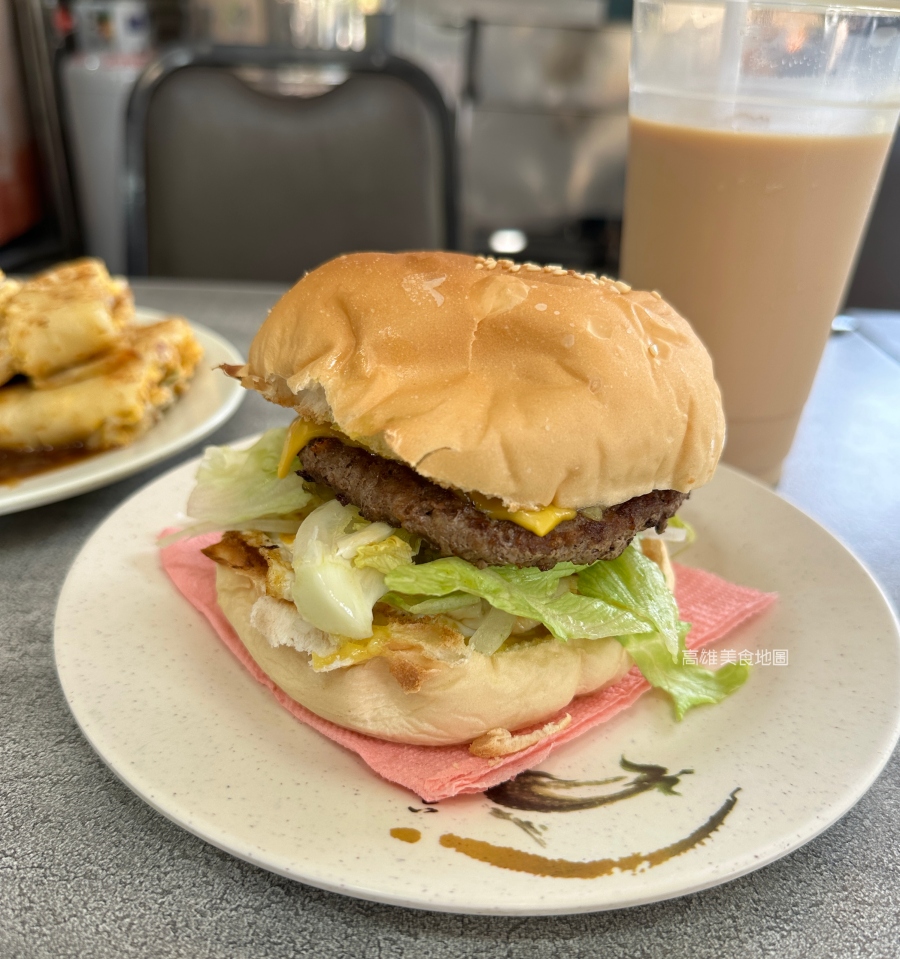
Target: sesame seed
<point>479,266</point>
<point>552,268</point>
<point>506,264</point>
<point>622,287</point>
<point>654,349</point>
<point>540,306</point>
<point>656,294</point>
<point>490,265</point>
<point>532,267</point>
<point>515,268</point>
<point>590,276</point>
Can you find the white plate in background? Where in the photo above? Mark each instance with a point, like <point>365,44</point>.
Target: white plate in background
<point>211,400</point>
<point>183,725</point>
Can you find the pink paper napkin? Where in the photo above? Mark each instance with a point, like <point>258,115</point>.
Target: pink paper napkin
<point>712,605</point>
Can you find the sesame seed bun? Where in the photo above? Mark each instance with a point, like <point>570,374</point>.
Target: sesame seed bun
<point>533,384</point>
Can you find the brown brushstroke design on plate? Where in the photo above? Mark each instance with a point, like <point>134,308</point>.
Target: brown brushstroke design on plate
<point>541,792</point>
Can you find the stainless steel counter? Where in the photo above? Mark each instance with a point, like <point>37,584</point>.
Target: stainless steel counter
<point>87,869</point>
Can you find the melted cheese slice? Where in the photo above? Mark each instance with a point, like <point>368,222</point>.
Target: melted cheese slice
<point>299,433</point>
<point>539,521</point>
<point>351,652</point>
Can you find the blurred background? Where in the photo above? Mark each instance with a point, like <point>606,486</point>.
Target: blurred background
<point>251,139</point>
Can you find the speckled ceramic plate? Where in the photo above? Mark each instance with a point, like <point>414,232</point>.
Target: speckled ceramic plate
<point>211,400</point>
<point>638,810</point>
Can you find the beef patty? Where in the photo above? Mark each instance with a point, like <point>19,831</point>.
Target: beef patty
<point>391,492</point>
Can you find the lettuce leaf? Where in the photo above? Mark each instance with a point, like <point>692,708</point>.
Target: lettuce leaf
<point>689,685</point>
<point>236,488</point>
<point>493,632</point>
<point>328,590</point>
<point>634,583</point>
<point>626,598</point>
<point>427,605</point>
<point>528,592</point>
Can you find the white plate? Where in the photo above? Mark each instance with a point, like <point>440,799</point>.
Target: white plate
<point>175,716</point>
<point>211,400</point>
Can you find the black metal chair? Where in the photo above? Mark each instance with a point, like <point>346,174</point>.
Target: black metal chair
<point>254,164</point>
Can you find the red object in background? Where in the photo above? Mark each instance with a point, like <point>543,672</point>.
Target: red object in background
<point>20,199</point>
<point>63,21</point>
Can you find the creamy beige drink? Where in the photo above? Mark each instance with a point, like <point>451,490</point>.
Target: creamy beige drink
<point>751,236</point>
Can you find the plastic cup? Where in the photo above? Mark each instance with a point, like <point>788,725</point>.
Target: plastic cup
<point>758,134</point>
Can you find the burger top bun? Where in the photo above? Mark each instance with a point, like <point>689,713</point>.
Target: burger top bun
<point>533,384</point>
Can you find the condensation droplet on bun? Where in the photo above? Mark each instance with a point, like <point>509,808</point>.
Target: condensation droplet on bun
<point>497,293</point>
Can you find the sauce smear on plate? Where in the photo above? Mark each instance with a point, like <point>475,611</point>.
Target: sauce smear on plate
<point>16,465</point>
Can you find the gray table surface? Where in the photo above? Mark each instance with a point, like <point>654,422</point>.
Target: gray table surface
<point>87,869</point>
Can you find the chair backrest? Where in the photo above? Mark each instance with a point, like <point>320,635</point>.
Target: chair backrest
<point>229,177</point>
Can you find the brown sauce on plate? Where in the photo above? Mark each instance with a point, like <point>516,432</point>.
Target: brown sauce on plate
<point>406,835</point>
<point>17,465</point>
<point>505,857</point>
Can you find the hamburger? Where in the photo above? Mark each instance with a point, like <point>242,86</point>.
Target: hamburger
<point>464,527</point>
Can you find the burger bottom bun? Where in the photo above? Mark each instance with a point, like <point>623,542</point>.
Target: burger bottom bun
<point>455,704</point>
